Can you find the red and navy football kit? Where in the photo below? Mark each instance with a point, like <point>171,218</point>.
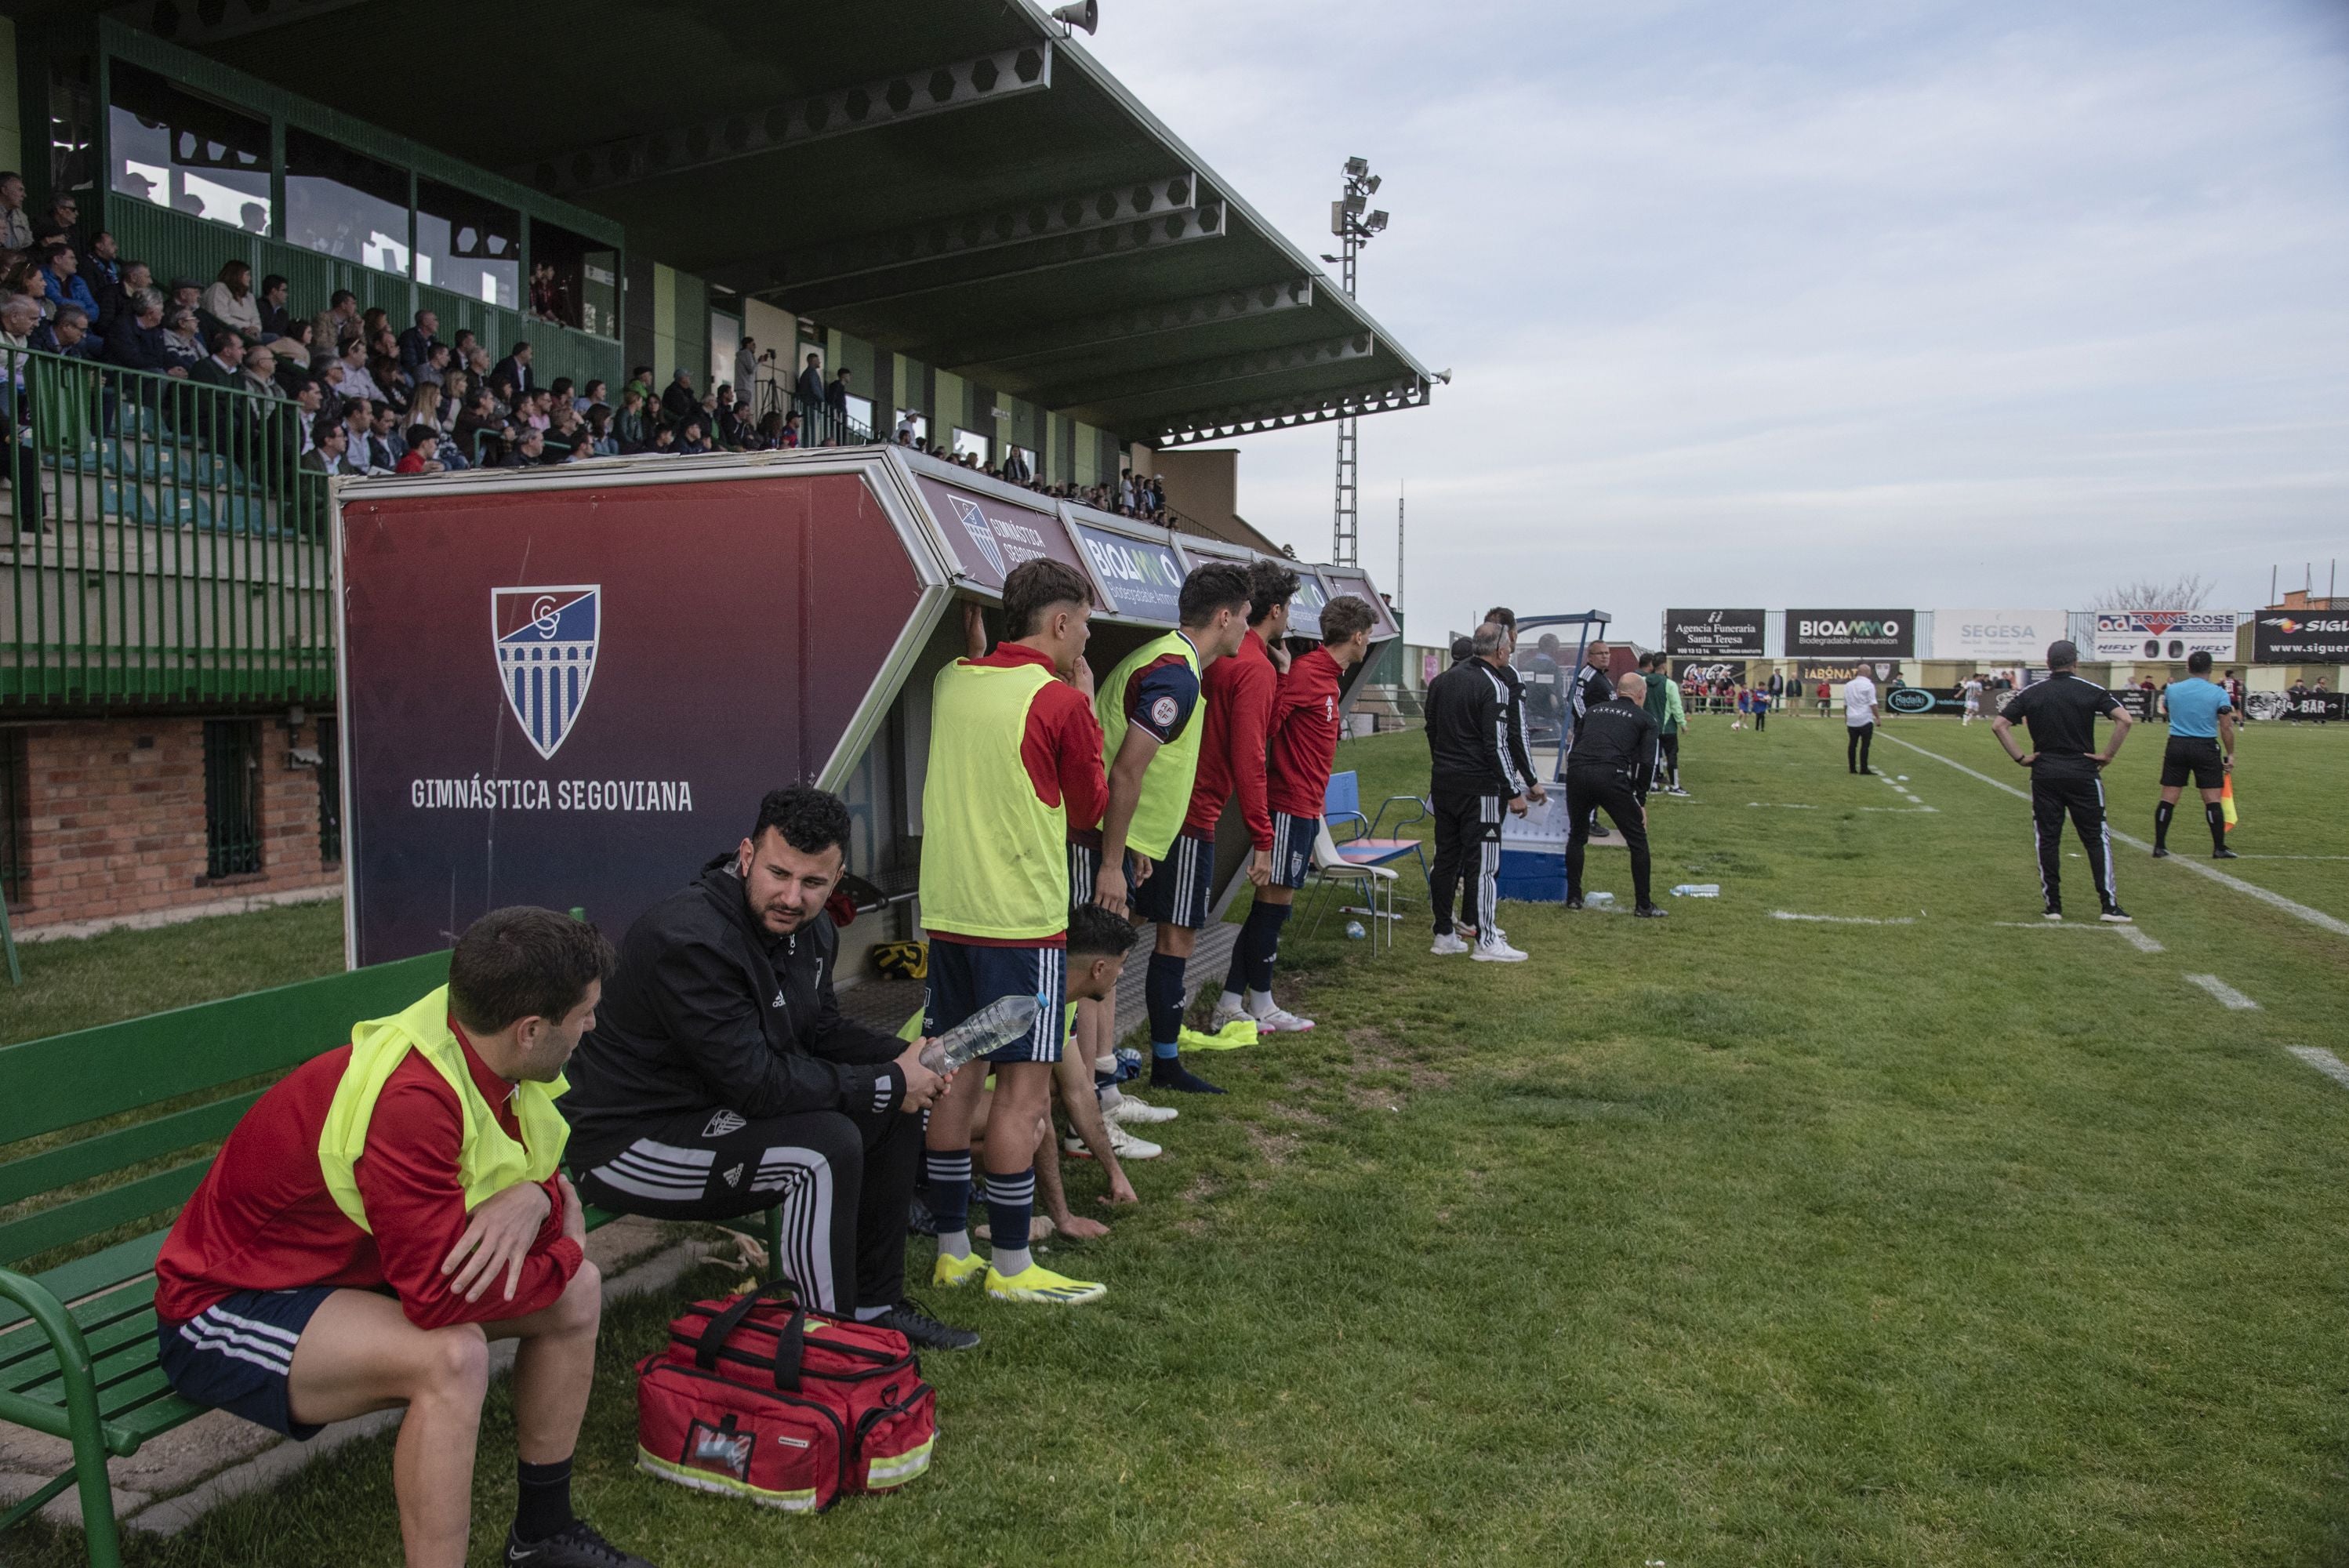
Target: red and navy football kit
<point>1304,728</point>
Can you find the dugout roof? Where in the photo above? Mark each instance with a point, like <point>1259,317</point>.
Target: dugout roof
<point>953,179</point>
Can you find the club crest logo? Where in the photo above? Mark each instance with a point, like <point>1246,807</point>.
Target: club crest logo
<point>545,641</point>
<point>982,533</point>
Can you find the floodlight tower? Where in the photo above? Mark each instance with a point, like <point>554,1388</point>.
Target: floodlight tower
<point>1354,221</point>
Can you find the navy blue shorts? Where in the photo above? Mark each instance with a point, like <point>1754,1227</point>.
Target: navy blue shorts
<point>235,1353</point>
<point>1176,893</point>
<point>965,977</point>
<point>1292,848</point>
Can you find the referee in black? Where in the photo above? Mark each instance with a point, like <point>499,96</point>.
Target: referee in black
<point>2065,771</point>
<point>1611,769</point>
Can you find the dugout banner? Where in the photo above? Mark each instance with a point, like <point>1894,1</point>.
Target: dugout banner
<point>1851,633</point>
<point>2279,638</point>
<point>2165,635</point>
<point>1713,633</point>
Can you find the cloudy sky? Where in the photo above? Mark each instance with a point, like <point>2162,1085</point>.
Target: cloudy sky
<point>1871,302</point>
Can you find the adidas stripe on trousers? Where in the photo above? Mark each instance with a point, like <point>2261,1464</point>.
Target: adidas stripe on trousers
<point>2083,801</point>
<point>1467,845</point>
<point>842,1181</point>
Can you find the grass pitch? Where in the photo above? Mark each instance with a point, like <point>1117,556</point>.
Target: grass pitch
<point>1723,1239</point>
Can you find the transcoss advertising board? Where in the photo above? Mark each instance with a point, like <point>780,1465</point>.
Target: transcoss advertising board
<point>2321,637</point>
<point>1851,633</point>
<point>2168,635</point>
<point>1713,633</point>
<point>2003,636</point>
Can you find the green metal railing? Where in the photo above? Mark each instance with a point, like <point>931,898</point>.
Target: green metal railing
<point>165,547</point>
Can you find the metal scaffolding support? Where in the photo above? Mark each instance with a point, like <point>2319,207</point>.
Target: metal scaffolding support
<point>1353,222</point>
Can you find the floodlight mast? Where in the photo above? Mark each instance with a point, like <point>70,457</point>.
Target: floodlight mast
<point>1354,221</point>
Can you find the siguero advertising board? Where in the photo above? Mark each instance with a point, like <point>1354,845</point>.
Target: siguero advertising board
<point>1713,633</point>
<point>2280,637</point>
<point>1851,633</point>
<point>2001,637</point>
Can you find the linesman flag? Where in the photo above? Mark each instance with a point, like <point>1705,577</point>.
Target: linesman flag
<point>2227,801</point>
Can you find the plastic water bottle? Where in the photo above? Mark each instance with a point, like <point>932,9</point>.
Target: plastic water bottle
<point>1355,929</point>
<point>991,1028</point>
<point>1599,900</point>
<point>1697,890</point>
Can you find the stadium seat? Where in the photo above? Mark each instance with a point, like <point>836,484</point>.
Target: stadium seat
<point>1331,869</point>
<point>1342,802</point>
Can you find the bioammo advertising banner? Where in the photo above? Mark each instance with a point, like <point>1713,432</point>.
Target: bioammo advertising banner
<point>1143,579</point>
<point>1851,633</point>
<point>2000,636</point>
<point>2302,638</point>
<point>2167,635</point>
<point>1713,633</point>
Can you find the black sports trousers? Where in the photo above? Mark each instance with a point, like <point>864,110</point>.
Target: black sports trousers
<point>1855,749</point>
<point>842,1181</point>
<point>1467,842</point>
<point>2084,799</point>
<point>1587,794</point>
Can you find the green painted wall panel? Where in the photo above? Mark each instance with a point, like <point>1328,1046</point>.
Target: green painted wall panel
<point>12,138</point>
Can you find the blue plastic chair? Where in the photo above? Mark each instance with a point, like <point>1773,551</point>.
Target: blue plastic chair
<point>1341,805</point>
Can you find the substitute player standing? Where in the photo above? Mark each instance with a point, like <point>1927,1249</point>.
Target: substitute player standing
<point>1472,780</point>
<point>2202,722</point>
<point>1305,728</point>
<point>1146,708</point>
<point>2065,771</point>
<point>1239,693</point>
<point>1015,761</point>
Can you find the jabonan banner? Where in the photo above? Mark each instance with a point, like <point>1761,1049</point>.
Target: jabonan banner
<point>1851,633</point>
<point>2280,637</point>
<point>1713,633</point>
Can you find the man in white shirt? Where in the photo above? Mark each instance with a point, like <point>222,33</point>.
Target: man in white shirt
<point>1973,700</point>
<point>1860,720</point>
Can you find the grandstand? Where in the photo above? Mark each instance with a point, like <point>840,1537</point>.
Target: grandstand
<point>1016,267</point>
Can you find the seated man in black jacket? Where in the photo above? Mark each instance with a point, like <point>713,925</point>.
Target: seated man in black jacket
<point>721,1079</point>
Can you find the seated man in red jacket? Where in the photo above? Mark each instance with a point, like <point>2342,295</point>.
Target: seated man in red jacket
<point>387,1209</point>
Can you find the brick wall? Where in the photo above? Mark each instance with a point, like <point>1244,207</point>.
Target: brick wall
<point>115,813</point>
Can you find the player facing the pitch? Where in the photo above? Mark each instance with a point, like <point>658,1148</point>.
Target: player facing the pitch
<point>1306,722</point>
<point>2202,722</point>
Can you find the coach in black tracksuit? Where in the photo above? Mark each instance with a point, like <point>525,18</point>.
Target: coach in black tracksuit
<point>721,1078</point>
<point>2066,771</point>
<point>1473,780</point>
<point>1611,768</point>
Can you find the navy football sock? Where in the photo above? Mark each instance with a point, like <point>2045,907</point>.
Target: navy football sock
<point>950,1199</point>
<point>2215,813</point>
<point>1161,989</point>
<point>1011,1205</point>
<point>1261,937</point>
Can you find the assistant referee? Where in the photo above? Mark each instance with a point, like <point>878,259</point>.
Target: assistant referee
<point>2201,719</point>
<point>2065,771</point>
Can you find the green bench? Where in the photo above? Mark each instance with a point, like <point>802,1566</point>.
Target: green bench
<point>77,1357</point>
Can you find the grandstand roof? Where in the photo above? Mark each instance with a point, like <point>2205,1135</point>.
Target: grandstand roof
<point>951,178</point>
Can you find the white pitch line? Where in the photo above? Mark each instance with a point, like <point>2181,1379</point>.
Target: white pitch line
<point>2292,857</point>
<point>2323,1061</point>
<point>1844,919</point>
<point>2128,934</point>
<point>2228,995</point>
<point>1900,810</point>
<point>1782,805</point>
<point>2315,917</point>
